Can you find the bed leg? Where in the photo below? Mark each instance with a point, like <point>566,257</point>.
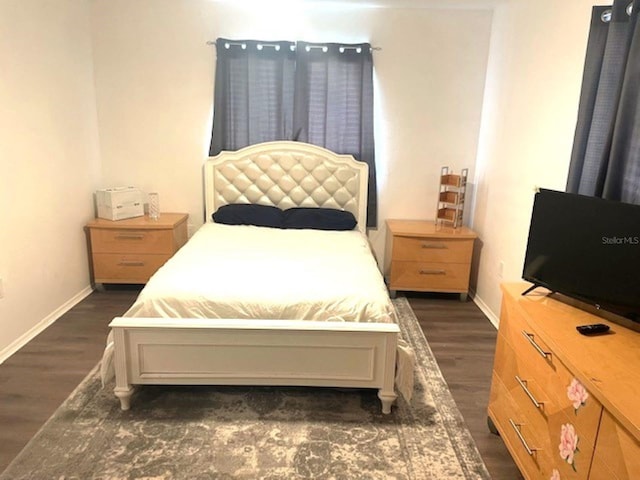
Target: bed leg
<point>387,398</point>
<point>124,394</point>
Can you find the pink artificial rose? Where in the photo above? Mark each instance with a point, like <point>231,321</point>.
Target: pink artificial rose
<point>568,443</point>
<point>555,475</point>
<point>577,393</point>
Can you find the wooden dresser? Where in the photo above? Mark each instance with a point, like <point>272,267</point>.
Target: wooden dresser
<point>131,250</point>
<point>566,405</point>
<point>422,256</point>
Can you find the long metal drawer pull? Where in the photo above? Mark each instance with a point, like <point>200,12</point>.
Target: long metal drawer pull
<point>529,336</point>
<point>124,263</point>
<point>432,272</point>
<point>434,245</point>
<point>131,236</point>
<point>516,427</point>
<point>523,384</point>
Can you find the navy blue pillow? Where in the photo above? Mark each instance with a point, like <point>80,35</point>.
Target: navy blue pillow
<point>249,214</point>
<point>319,219</point>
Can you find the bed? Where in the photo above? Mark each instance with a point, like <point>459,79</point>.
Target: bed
<point>255,305</point>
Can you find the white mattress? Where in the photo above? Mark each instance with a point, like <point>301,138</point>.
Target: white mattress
<point>267,273</point>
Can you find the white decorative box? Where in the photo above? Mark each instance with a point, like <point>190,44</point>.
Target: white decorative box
<point>119,203</point>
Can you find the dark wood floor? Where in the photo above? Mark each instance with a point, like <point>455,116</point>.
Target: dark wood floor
<point>37,379</point>
<point>463,341</point>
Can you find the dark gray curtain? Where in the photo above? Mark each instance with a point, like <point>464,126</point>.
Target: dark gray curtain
<point>315,93</point>
<point>253,100</point>
<point>605,161</point>
<point>333,104</point>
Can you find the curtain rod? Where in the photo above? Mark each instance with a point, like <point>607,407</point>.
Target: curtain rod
<point>293,47</point>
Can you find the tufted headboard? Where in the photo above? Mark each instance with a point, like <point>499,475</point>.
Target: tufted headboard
<point>287,174</point>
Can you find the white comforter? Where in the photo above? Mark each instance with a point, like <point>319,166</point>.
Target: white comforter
<point>268,273</point>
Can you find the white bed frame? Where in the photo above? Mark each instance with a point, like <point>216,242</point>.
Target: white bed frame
<point>265,352</point>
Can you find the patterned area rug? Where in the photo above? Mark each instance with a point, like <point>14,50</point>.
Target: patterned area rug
<point>257,432</point>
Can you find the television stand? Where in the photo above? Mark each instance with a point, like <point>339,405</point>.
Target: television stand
<point>537,285</point>
<point>551,383</point>
<point>530,289</point>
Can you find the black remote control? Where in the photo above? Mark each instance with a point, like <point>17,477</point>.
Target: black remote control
<point>593,329</point>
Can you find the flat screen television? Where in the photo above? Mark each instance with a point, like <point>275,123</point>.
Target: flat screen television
<point>587,249</point>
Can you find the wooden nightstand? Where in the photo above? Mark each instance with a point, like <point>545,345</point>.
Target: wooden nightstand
<point>422,256</point>
<point>131,250</point>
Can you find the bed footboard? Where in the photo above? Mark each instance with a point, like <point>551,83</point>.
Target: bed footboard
<point>254,352</point>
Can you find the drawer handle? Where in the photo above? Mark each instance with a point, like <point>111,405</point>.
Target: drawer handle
<point>523,384</point>
<point>441,246</point>
<point>529,336</point>
<point>130,236</point>
<point>432,272</point>
<point>125,263</point>
<point>516,427</point>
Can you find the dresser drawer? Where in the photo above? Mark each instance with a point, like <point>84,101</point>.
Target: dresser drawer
<point>132,241</point>
<point>562,389</point>
<point>519,434</point>
<point>125,267</point>
<point>555,423</point>
<point>438,250</point>
<point>588,434</point>
<point>447,277</point>
<point>617,449</point>
<point>551,385</point>
<point>600,471</point>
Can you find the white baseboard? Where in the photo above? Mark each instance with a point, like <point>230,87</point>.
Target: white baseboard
<point>21,341</point>
<point>493,318</point>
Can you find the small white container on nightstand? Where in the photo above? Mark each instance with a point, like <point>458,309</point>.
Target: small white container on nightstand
<point>154,206</point>
<point>118,203</point>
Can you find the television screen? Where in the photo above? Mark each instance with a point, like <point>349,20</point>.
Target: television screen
<point>586,248</point>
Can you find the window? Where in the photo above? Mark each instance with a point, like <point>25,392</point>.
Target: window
<point>315,93</point>
<point>605,161</point>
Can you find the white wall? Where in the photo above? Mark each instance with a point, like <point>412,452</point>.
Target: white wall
<point>154,84</point>
<point>48,159</point>
<point>531,102</point>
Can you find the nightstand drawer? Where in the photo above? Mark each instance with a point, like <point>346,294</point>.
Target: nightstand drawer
<point>423,256</point>
<point>132,241</point>
<point>131,250</point>
<point>425,276</point>
<point>440,250</point>
<point>126,268</point>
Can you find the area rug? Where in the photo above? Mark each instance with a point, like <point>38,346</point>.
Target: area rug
<point>257,432</point>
